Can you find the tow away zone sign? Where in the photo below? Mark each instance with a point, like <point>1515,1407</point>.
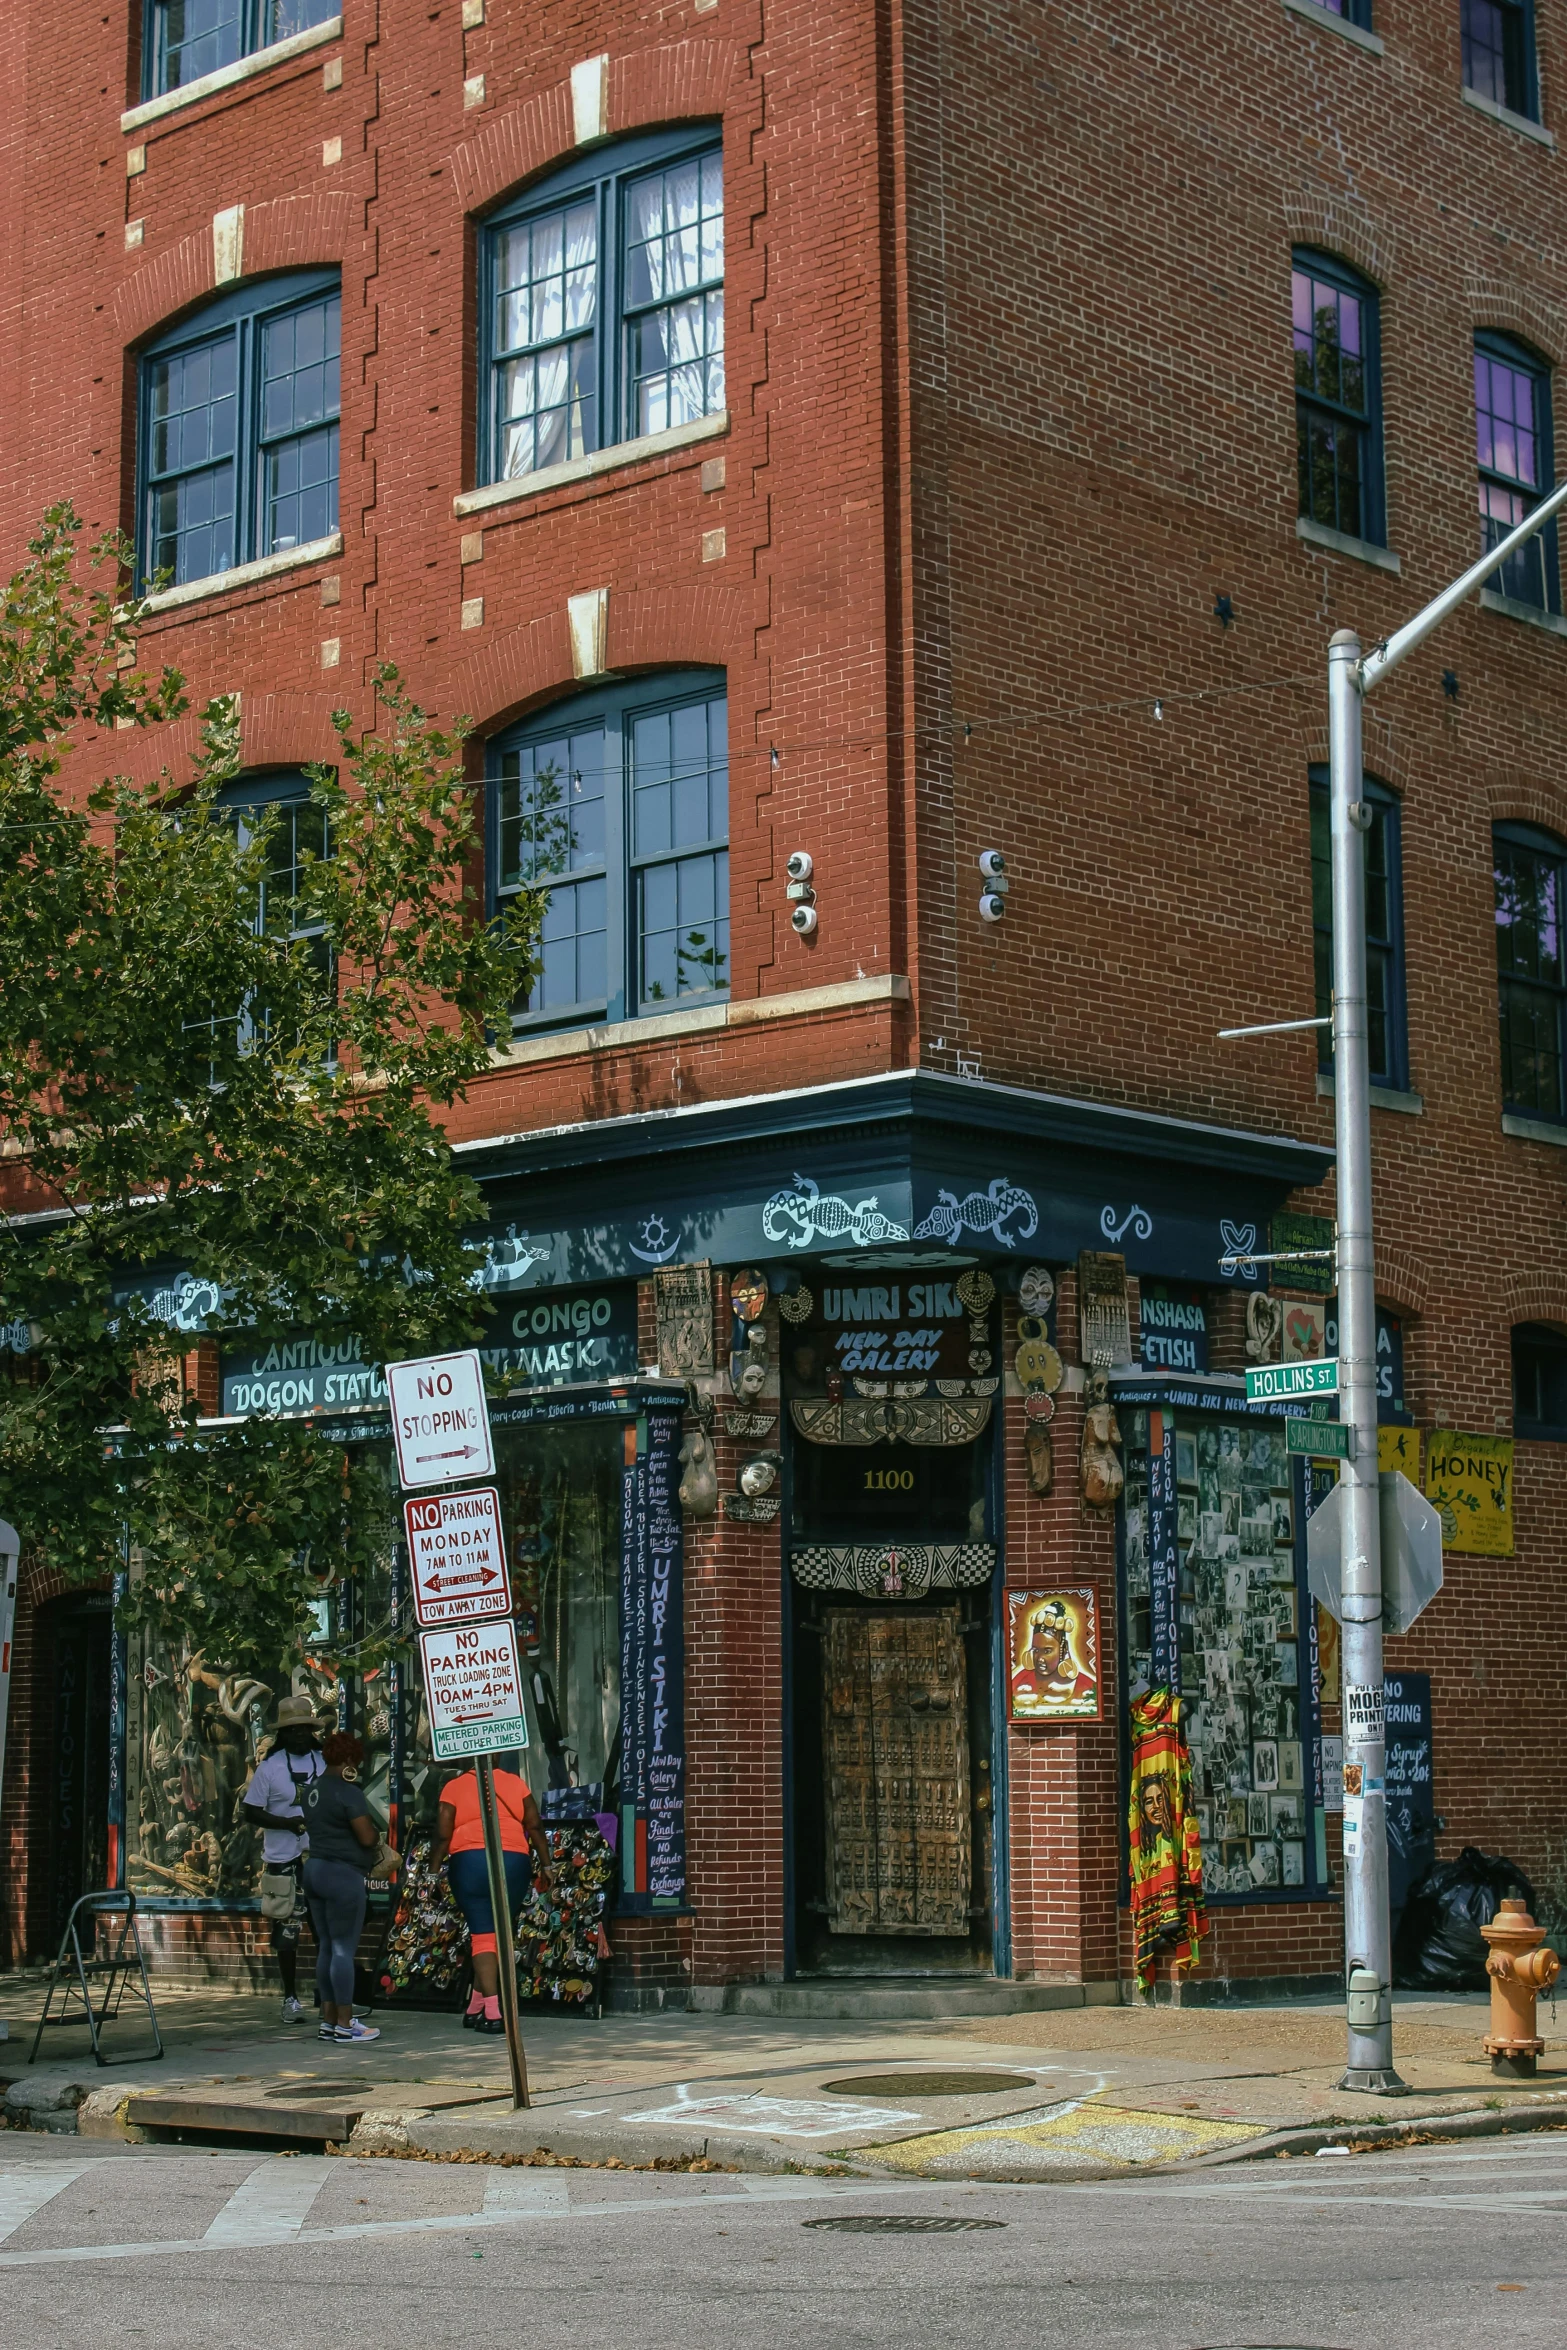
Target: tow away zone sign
<point>473,1689</point>
<point>440,1420</point>
<point>457,1560</point>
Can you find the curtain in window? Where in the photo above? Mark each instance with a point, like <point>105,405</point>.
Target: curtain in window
<point>547,303</point>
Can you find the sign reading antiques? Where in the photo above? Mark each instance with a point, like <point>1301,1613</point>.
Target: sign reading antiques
<point>456,1559</point>
<point>473,1689</point>
<point>440,1420</point>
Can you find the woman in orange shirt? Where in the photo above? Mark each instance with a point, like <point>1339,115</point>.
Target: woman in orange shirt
<point>459,1831</point>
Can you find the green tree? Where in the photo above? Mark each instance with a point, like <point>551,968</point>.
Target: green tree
<point>222,1064</point>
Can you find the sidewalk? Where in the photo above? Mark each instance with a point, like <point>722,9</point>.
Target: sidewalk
<point>1056,2094</point>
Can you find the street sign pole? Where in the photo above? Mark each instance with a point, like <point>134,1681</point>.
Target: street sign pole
<point>505,1952</point>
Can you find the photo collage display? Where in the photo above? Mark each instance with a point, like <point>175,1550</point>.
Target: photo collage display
<point>1244,1665</point>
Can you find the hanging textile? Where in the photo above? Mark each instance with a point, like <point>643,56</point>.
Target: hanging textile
<point>1165,1848</point>
<point>427,1948</point>
<point>561,1943</point>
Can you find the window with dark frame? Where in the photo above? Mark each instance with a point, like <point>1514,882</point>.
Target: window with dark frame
<point>1338,434</point>
<point>1498,53</point>
<point>619,802</point>
<point>1387,1028</point>
<point>1356,12</point>
<point>1513,446</point>
<point>1540,1382</point>
<point>298,835</point>
<point>1531,985</point>
<point>187,39</point>
<point>602,304</point>
<point>239,430</point>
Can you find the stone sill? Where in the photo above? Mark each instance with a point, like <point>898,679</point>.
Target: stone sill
<point>1530,614</point>
<point>1515,122</point>
<point>624,1035</point>
<point>244,574</point>
<point>242,70</point>
<point>1535,1130</point>
<point>554,477</point>
<point>1318,534</point>
<point>1383,1097</point>
<point>1341,25</point>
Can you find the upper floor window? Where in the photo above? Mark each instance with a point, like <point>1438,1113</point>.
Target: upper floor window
<point>1531,983</point>
<point>1338,433</point>
<point>1498,45</point>
<point>238,441</point>
<point>619,801</point>
<point>189,38</point>
<point>1513,444</point>
<point>1352,11</point>
<point>602,300</point>
<point>1539,1382</point>
<point>1387,1030</point>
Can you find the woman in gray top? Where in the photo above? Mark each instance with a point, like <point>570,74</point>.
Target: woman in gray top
<point>343,1838</point>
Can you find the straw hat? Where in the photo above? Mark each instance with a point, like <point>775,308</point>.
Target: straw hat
<point>294,1712</point>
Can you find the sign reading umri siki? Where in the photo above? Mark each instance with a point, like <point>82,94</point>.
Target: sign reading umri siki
<point>440,1421</point>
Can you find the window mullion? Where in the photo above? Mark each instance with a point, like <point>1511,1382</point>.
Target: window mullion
<point>620,946</point>
<point>611,327</point>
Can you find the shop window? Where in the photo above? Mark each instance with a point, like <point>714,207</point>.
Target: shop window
<point>1513,446</point>
<point>619,803</point>
<point>1540,1382</point>
<point>1387,1032</point>
<point>239,430</point>
<point>1214,1600</point>
<point>602,302</point>
<point>186,39</point>
<point>1338,398</point>
<point>1498,53</point>
<point>1530,980</point>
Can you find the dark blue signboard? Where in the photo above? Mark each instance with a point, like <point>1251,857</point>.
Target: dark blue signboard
<point>1164,1665</point>
<point>652,1669</point>
<point>1411,1817</point>
<point>1173,1327</point>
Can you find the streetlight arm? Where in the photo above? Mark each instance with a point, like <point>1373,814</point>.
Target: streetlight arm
<point>1392,650</point>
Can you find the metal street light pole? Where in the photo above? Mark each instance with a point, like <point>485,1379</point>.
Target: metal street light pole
<point>1367,1931</point>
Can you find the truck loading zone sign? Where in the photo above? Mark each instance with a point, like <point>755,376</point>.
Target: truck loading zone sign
<point>440,1420</point>
<point>473,1689</point>
<point>455,1556</point>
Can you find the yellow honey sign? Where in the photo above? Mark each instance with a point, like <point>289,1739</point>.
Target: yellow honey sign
<point>1470,1479</point>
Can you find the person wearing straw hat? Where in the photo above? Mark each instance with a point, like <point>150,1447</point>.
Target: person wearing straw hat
<point>271,1803</point>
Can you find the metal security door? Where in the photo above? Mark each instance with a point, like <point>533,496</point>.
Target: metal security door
<point>895,1706</point>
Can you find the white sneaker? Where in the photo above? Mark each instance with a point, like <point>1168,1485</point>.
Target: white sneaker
<point>357,2031</point>
<point>293,2011</point>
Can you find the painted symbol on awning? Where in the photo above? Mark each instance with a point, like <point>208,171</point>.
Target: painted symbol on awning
<point>1006,1211</point>
<point>1239,1242</point>
<point>804,1212</point>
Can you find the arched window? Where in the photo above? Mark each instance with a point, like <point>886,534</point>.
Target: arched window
<point>1497,38</point>
<point>602,304</point>
<point>1513,447</point>
<point>237,449</point>
<point>1539,1382</point>
<point>619,801</point>
<point>298,832</point>
<point>1338,398</point>
<point>1530,867</point>
<point>187,39</point>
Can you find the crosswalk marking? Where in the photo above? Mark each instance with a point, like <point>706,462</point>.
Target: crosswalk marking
<point>273,2202</point>
<point>522,2192</point>
<point>23,2192</point>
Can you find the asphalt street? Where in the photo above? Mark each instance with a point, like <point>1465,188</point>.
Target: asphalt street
<point>1429,2249</point>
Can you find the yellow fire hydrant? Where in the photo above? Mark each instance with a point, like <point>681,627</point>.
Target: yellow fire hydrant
<point>1520,1966</point>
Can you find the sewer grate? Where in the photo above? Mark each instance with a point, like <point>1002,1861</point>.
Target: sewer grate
<point>929,2084</point>
<point>894,2223</point>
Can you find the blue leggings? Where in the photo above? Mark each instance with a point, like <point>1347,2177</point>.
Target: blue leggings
<point>469,1877</point>
<point>335,1892</point>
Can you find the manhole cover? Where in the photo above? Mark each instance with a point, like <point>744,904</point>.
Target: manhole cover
<point>894,2223</point>
<point>928,2085</point>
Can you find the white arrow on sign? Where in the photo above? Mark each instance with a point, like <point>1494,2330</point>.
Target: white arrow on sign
<point>440,1419</point>
<point>456,1557</point>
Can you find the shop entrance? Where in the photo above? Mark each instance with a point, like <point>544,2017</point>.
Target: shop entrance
<point>75,1641</point>
<point>895,1733</point>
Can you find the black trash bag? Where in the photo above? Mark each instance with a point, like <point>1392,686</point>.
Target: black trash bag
<point>1440,1946</point>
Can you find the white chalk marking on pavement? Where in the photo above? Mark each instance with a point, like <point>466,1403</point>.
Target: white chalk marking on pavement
<point>22,2192</point>
<point>526,2195</point>
<point>273,2203</point>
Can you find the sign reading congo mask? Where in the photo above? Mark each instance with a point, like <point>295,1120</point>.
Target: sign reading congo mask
<point>558,1338</point>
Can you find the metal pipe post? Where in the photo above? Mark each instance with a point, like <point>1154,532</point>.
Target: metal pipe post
<point>505,1949</point>
<point>1367,1929</point>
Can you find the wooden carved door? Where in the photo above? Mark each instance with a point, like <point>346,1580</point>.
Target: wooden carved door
<point>895,1702</point>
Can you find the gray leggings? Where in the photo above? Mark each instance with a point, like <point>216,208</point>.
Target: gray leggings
<point>335,1892</point>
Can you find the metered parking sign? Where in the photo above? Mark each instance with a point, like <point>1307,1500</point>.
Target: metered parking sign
<point>455,1556</point>
<point>440,1420</point>
<point>473,1689</point>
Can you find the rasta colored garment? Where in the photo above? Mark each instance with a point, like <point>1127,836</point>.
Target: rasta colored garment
<point>1166,1850</point>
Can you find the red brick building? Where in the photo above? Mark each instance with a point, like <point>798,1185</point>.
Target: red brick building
<point>873,438</point>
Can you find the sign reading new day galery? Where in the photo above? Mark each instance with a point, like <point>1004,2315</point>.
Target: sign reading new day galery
<point>440,1420</point>
<point>473,1689</point>
<point>456,1557</point>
